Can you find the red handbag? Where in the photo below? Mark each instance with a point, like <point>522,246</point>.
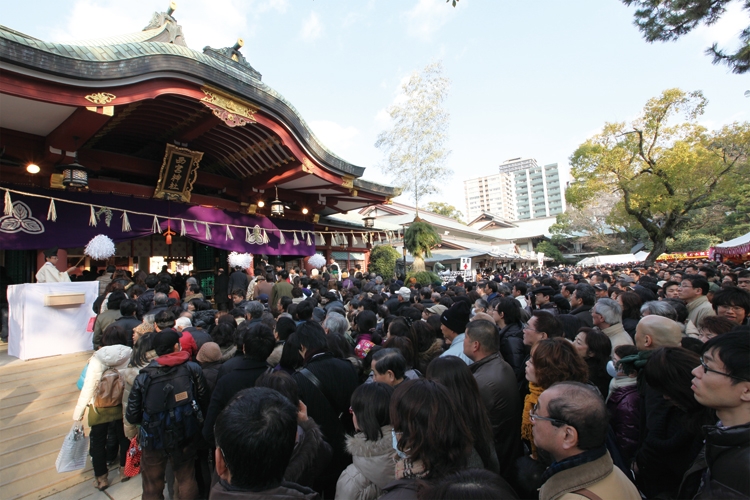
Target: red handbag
<point>133,461</point>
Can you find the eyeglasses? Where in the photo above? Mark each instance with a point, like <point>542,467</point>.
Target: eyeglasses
<point>554,421</point>
<point>737,309</point>
<point>706,369</point>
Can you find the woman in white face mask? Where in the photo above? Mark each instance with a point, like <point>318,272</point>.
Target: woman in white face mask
<point>623,402</point>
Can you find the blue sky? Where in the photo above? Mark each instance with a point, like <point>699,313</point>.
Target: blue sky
<point>529,78</point>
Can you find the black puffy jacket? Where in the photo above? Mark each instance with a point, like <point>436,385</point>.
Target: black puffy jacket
<point>513,350</point>
<point>134,411</point>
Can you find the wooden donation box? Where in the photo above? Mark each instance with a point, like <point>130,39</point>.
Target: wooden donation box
<point>46,319</point>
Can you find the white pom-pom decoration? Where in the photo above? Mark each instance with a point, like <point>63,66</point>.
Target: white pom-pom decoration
<point>100,247</point>
<point>317,260</point>
<point>242,260</point>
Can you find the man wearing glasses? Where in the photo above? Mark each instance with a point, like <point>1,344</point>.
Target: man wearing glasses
<point>570,423</point>
<point>722,382</point>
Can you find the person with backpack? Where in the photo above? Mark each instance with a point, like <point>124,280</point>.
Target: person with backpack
<point>168,399</point>
<point>102,394</point>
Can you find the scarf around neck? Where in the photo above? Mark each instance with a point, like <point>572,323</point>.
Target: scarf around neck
<point>407,469</point>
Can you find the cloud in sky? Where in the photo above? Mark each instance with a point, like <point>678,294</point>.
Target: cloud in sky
<point>312,28</point>
<point>335,137</point>
<point>216,23</point>
<point>727,29</point>
<point>427,17</point>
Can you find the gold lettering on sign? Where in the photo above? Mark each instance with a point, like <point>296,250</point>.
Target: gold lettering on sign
<point>178,173</point>
<point>347,181</point>
<point>229,109</point>
<point>101,98</point>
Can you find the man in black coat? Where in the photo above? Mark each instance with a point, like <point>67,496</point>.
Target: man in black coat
<point>221,285</point>
<point>498,390</point>
<point>582,301</point>
<point>258,343</point>
<point>128,309</point>
<point>326,385</point>
<point>237,281</point>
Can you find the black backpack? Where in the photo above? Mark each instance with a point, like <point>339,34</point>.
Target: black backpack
<point>171,414</point>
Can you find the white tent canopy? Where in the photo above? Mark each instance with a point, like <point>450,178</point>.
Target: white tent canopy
<point>624,258</point>
<point>740,240</point>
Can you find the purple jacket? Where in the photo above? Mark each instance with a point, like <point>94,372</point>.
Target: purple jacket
<point>624,406</point>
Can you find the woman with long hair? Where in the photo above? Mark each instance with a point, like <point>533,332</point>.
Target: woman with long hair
<point>430,436</point>
<point>631,304</point>
<point>674,436</point>
<point>455,375</point>
<point>371,448</point>
<point>506,311</point>
<point>595,348</point>
<point>428,346</point>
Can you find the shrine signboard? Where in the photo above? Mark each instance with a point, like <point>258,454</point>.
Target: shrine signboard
<point>178,173</point>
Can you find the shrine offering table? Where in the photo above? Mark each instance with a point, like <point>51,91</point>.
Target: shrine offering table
<point>47,319</point>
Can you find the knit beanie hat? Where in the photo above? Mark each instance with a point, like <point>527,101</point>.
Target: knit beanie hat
<point>209,353</point>
<point>457,317</point>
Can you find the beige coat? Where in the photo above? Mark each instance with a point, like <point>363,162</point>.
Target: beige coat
<point>600,477</point>
<point>373,466</point>
<point>618,336</point>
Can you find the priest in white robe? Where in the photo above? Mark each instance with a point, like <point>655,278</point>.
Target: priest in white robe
<point>49,273</point>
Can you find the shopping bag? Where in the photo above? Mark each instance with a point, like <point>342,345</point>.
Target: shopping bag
<point>133,461</point>
<point>74,451</point>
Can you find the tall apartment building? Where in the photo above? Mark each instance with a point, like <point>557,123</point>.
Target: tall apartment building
<point>520,190</point>
<point>493,193</point>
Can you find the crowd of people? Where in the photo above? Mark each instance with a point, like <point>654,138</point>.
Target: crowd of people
<point>604,382</point>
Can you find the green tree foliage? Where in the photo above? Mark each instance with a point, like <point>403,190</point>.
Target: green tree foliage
<point>688,242</point>
<point>661,171</point>
<point>415,144</point>
<point>383,261</point>
<point>424,277</point>
<point>666,20</point>
<point>419,238</point>
<point>551,251</point>
<point>446,210</point>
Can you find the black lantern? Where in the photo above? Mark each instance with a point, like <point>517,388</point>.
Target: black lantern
<point>369,221</point>
<point>75,175</point>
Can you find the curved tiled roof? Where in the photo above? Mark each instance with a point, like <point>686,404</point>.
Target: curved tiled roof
<point>135,56</point>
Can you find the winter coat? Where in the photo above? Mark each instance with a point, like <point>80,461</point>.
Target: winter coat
<point>339,378</point>
<point>720,470</point>
<point>617,336</point>
<point>599,476</point>
<point>242,376</point>
<point>668,446</point>
<point>401,489</point>
<point>102,322</point>
<point>237,280</point>
<point>138,394</point>
<point>513,349</point>
<point>129,374</point>
<point>624,407</point>
<point>499,393</point>
<point>221,285</point>
<point>200,336</point>
<point>285,491</point>
<point>112,356</point>
<point>211,372</point>
<point>583,313</point>
<point>372,469</point>
<point>311,454</point>
<point>630,324</point>
<point>280,289</point>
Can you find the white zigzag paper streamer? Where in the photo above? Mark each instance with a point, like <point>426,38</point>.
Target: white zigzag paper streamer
<point>295,242</point>
<point>308,240</point>
<point>182,227</point>
<point>8,210</point>
<point>125,222</point>
<point>52,211</point>
<point>92,218</point>
<point>155,227</point>
<point>282,240</point>
<point>229,236</point>
<point>208,231</point>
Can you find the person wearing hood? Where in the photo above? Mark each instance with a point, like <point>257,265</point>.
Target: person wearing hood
<point>114,353</point>
<point>371,447</point>
<point>177,443</point>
